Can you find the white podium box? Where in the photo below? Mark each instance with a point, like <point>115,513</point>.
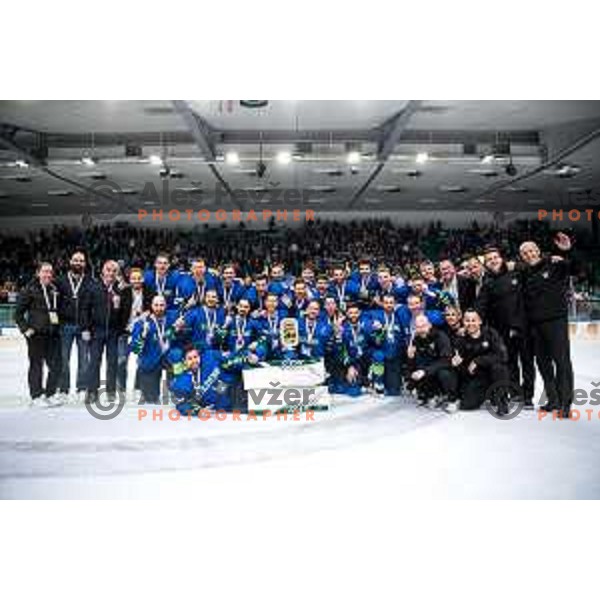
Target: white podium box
<point>291,386</point>
<point>287,375</point>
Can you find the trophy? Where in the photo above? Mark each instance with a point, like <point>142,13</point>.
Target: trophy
<point>288,333</point>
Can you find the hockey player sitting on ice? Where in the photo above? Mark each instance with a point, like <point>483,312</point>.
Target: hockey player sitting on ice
<point>429,370</point>
<point>191,287</point>
<point>151,341</point>
<point>344,290</point>
<point>230,289</point>
<point>389,341</point>
<point>198,385</point>
<point>353,348</point>
<point>244,346</point>
<point>480,358</point>
<point>161,281</point>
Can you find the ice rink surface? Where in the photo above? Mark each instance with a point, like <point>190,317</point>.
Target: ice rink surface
<point>387,446</point>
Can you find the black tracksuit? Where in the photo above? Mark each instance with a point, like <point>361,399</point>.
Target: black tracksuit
<point>432,355</point>
<point>501,305</point>
<point>545,288</point>
<point>103,316</point>
<point>43,345</point>
<point>489,354</point>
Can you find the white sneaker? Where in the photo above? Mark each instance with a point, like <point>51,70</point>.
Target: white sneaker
<point>61,397</point>
<point>42,402</point>
<point>451,407</point>
<point>80,398</point>
<point>433,402</point>
<point>55,400</point>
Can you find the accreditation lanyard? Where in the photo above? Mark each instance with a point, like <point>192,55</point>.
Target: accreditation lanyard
<point>363,283</point>
<point>52,314</point>
<point>341,293</point>
<point>75,286</point>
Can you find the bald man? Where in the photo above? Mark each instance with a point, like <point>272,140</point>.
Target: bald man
<point>430,370</point>
<point>545,287</point>
<point>102,316</point>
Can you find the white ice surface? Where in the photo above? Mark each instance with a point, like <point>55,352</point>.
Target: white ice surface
<point>390,447</point>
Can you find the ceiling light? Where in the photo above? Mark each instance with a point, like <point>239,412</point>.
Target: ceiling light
<point>284,158</point>
<point>232,158</point>
<point>88,161</point>
<point>422,157</point>
<point>353,157</point>
<point>154,159</point>
<point>488,159</point>
<point>21,164</point>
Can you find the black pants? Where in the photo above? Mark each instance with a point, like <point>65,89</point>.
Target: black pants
<point>44,349</point>
<point>521,366</point>
<point>473,387</point>
<point>392,376</point>
<point>102,340</point>
<point>149,382</point>
<point>442,381</point>
<point>553,356</point>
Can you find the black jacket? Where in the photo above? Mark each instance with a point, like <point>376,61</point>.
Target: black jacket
<point>500,302</point>
<point>32,311</point>
<point>73,306</point>
<point>99,312</point>
<point>467,292</point>
<point>127,300</point>
<point>485,350</point>
<point>432,352</point>
<point>545,288</point>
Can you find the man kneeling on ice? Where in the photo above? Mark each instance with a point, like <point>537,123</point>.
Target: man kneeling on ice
<point>430,371</point>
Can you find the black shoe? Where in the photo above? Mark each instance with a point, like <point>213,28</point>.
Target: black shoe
<point>565,412</point>
<point>91,397</point>
<point>422,401</point>
<point>548,407</point>
<point>528,404</point>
